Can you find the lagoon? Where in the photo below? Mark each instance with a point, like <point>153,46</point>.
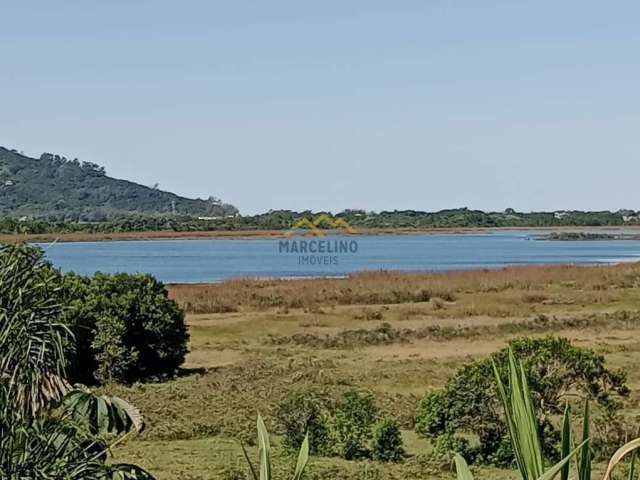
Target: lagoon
<point>214,260</point>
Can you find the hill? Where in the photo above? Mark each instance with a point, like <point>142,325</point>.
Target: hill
<point>55,188</point>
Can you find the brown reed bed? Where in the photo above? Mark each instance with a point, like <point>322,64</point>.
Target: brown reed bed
<point>388,287</point>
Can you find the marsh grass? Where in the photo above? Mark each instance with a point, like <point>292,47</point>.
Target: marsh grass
<point>531,285</point>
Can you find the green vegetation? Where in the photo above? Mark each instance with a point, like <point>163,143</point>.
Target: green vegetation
<point>581,236</point>
<point>521,419</point>
<point>556,370</point>
<point>446,321</point>
<point>387,442</point>
<point>385,339</point>
<point>306,414</point>
<point>265,469</point>
<point>353,425</point>
<point>348,428</point>
<point>126,328</point>
<point>524,437</point>
<point>53,195</point>
<point>115,328</point>
<point>285,219</point>
<point>55,189</point>
<point>48,430</point>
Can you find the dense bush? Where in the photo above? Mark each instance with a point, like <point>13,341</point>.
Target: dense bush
<point>348,428</point>
<point>42,436</point>
<point>306,411</point>
<point>123,327</point>
<point>447,444</point>
<point>387,442</point>
<point>556,370</point>
<point>353,423</point>
<point>127,329</point>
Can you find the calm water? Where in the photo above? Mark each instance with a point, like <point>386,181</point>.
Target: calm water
<point>215,260</point>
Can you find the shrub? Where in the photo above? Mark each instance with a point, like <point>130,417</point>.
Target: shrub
<point>46,432</point>
<point>127,329</point>
<point>352,425</point>
<point>432,414</point>
<point>555,369</point>
<point>387,442</point>
<point>301,413</point>
<point>447,444</point>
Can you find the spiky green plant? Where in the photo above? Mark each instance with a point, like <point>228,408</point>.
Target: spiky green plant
<point>523,429</point>
<point>521,422</point>
<point>264,454</point>
<point>520,418</point>
<point>584,462</point>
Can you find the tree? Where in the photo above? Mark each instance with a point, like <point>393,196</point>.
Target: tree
<point>127,328</point>
<point>556,370</point>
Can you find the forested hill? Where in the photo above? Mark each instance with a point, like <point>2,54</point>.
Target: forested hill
<point>55,188</point>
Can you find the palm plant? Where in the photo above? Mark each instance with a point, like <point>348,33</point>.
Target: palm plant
<point>31,338</point>
<point>42,436</point>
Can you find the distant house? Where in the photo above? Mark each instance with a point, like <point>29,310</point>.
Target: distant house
<point>9,183</point>
<point>560,215</point>
<point>208,218</point>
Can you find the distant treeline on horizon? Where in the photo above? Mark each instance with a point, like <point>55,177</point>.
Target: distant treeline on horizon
<point>54,194</point>
<point>285,219</point>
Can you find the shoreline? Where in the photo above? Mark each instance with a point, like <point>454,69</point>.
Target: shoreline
<point>265,234</point>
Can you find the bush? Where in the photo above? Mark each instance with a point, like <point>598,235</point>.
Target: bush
<point>447,444</point>
<point>126,328</point>
<point>387,442</point>
<point>556,370</point>
<point>352,425</point>
<point>302,412</point>
<point>431,419</point>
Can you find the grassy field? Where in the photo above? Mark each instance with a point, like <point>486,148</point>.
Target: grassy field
<point>396,335</point>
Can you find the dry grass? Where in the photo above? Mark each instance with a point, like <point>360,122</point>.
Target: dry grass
<point>274,337</point>
<point>531,284</point>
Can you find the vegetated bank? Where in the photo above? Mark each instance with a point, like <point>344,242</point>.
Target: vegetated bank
<point>581,236</point>
<point>304,352</point>
<point>280,220</point>
<point>386,372</point>
<point>57,330</point>
<point>53,196</point>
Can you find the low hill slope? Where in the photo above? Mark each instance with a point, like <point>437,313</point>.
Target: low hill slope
<point>56,188</point>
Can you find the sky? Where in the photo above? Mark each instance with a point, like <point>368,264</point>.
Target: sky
<point>328,105</point>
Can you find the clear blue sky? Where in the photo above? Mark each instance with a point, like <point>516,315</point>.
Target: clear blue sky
<point>335,104</point>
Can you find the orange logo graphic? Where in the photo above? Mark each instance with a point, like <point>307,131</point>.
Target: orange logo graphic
<point>316,225</point>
